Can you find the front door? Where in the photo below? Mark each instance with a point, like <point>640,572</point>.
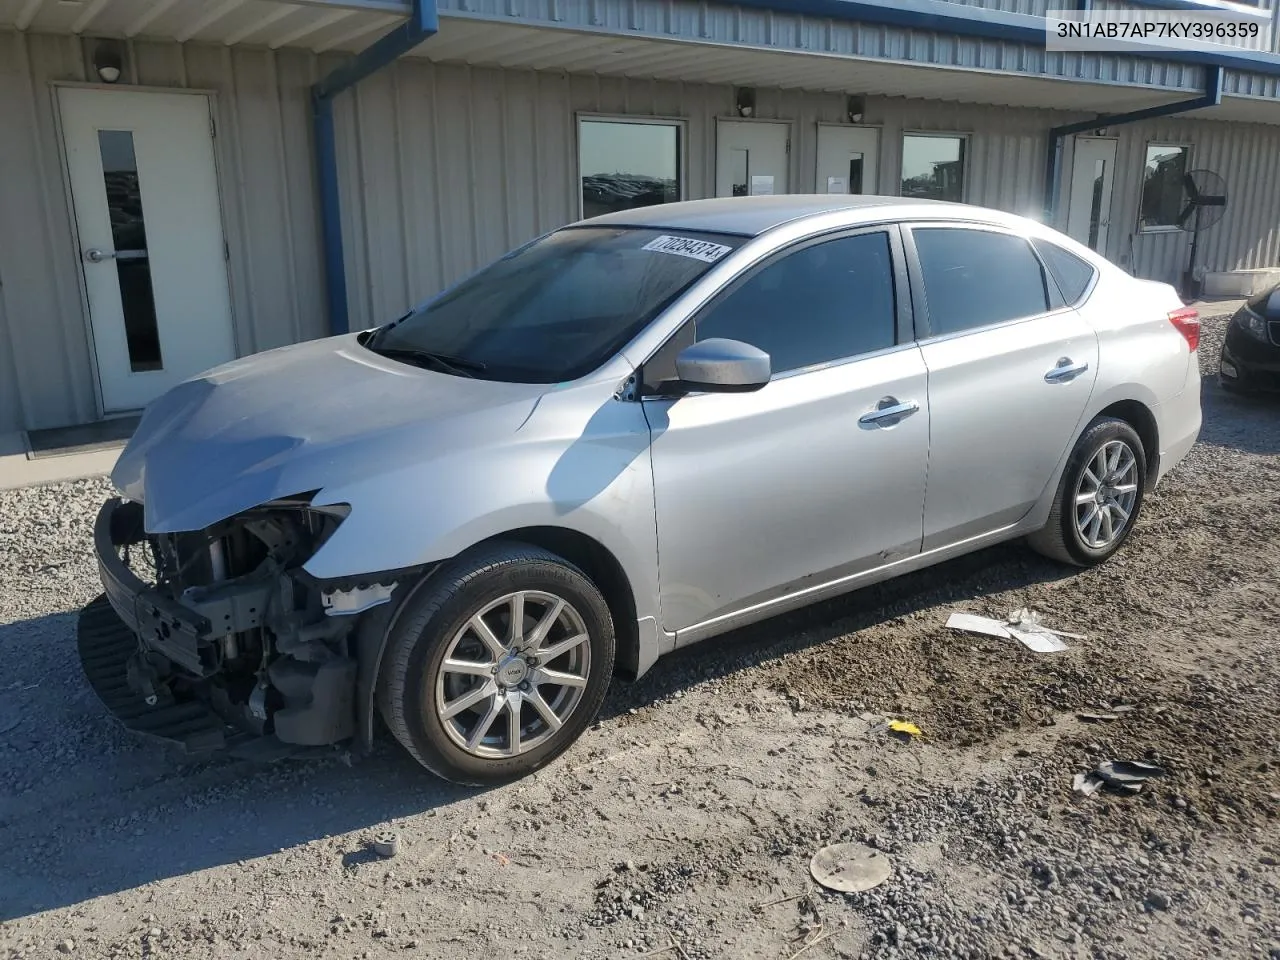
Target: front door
<point>752,157</point>
<point>847,158</point>
<point>145,194</point>
<point>1089,210</point>
<point>818,476</point>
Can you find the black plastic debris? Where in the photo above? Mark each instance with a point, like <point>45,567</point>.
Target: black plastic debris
<point>1117,776</point>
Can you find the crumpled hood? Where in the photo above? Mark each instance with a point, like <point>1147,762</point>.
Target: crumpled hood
<point>298,419</point>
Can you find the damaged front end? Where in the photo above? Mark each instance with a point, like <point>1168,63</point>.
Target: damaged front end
<point>218,638</point>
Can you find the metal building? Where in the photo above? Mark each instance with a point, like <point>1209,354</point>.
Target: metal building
<point>185,181</point>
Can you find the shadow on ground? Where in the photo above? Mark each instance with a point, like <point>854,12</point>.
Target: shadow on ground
<point>1244,423</point>
<point>956,582</point>
<point>87,809</point>
<point>90,810</point>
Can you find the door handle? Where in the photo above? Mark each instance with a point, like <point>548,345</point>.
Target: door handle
<point>1065,371</point>
<point>94,255</point>
<point>888,412</point>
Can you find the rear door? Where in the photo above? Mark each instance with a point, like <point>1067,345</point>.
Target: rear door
<point>819,475</point>
<point>1010,368</point>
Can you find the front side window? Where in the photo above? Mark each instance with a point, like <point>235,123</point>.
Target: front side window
<point>973,278</point>
<point>933,167</point>
<point>626,164</point>
<point>827,301</point>
<point>1162,186</point>
<point>555,309</point>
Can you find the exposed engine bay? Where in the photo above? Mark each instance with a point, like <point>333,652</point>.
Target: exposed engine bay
<point>227,621</point>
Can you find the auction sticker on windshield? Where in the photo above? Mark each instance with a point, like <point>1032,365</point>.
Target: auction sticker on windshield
<point>703,250</point>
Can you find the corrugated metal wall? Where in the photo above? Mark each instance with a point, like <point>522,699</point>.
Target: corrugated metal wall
<point>1246,156</point>
<point>451,166</point>
<point>265,169</point>
<point>444,167</point>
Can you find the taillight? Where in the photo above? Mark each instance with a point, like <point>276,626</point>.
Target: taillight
<point>1187,320</point>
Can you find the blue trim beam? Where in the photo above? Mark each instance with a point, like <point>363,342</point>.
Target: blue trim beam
<point>1212,97</point>
<point>423,22</point>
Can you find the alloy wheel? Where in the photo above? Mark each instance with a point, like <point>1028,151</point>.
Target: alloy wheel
<point>513,674</point>
<point>1106,495</point>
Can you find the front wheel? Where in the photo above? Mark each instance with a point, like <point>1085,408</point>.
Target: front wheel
<point>1099,498</point>
<point>497,665</point>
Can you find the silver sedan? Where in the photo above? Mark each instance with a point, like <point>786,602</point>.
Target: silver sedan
<point>629,435</point>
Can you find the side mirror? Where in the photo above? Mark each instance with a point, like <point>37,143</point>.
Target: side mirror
<point>722,366</point>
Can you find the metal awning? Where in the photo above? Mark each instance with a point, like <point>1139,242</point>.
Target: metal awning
<point>317,25</point>
<point>485,43</point>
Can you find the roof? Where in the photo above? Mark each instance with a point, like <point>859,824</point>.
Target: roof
<point>752,216</point>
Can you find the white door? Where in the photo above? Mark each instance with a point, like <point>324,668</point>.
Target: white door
<point>752,157</point>
<point>1089,209</point>
<point>145,194</point>
<point>847,159</point>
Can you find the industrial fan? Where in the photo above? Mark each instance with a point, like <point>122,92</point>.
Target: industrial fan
<point>1206,202</point>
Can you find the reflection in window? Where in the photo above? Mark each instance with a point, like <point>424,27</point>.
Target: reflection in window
<point>1072,274</point>
<point>129,238</point>
<point>933,167</point>
<point>627,164</point>
<point>740,166</point>
<point>1095,209</point>
<point>973,278</point>
<point>1162,186</point>
<point>855,172</point>
<point>825,302</point>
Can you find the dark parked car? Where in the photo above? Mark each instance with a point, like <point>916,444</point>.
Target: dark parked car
<point>1251,353</point>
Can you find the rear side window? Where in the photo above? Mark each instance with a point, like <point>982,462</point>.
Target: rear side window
<point>1072,274</point>
<point>973,278</point>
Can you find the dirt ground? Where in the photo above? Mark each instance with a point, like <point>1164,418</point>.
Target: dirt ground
<point>683,823</point>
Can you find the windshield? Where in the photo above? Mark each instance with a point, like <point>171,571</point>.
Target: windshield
<point>556,309</point>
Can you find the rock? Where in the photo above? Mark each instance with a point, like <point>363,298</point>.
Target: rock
<point>1158,899</point>
<point>67,946</point>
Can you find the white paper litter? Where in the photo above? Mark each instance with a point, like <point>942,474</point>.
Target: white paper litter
<point>1022,625</point>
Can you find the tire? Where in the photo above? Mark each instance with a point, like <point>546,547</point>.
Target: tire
<point>1062,537</point>
<point>416,689</point>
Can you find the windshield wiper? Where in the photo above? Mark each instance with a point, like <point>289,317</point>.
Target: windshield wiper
<point>437,361</point>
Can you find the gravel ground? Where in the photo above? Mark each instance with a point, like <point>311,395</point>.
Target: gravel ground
<point>683,823</point>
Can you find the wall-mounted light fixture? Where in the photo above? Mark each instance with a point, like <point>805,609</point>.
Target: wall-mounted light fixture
<point>854,108</point>
<point>108,60</point>
<point>746,101</point>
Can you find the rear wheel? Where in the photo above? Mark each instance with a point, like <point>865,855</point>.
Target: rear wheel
<point>1099,498</point>
<point>497,665</point>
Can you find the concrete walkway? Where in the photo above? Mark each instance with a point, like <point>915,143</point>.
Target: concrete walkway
<point>17,470</point>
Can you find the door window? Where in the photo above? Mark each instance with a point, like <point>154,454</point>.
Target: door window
<point>129,238</point>
<point>827,301</point>
<point>973,278</point>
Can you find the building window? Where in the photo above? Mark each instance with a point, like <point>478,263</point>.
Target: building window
<point>933,167</point>
<point>626,164</point>
<point>1162,188</point>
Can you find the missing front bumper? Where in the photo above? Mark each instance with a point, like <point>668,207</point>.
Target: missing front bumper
<point>167,665</point>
